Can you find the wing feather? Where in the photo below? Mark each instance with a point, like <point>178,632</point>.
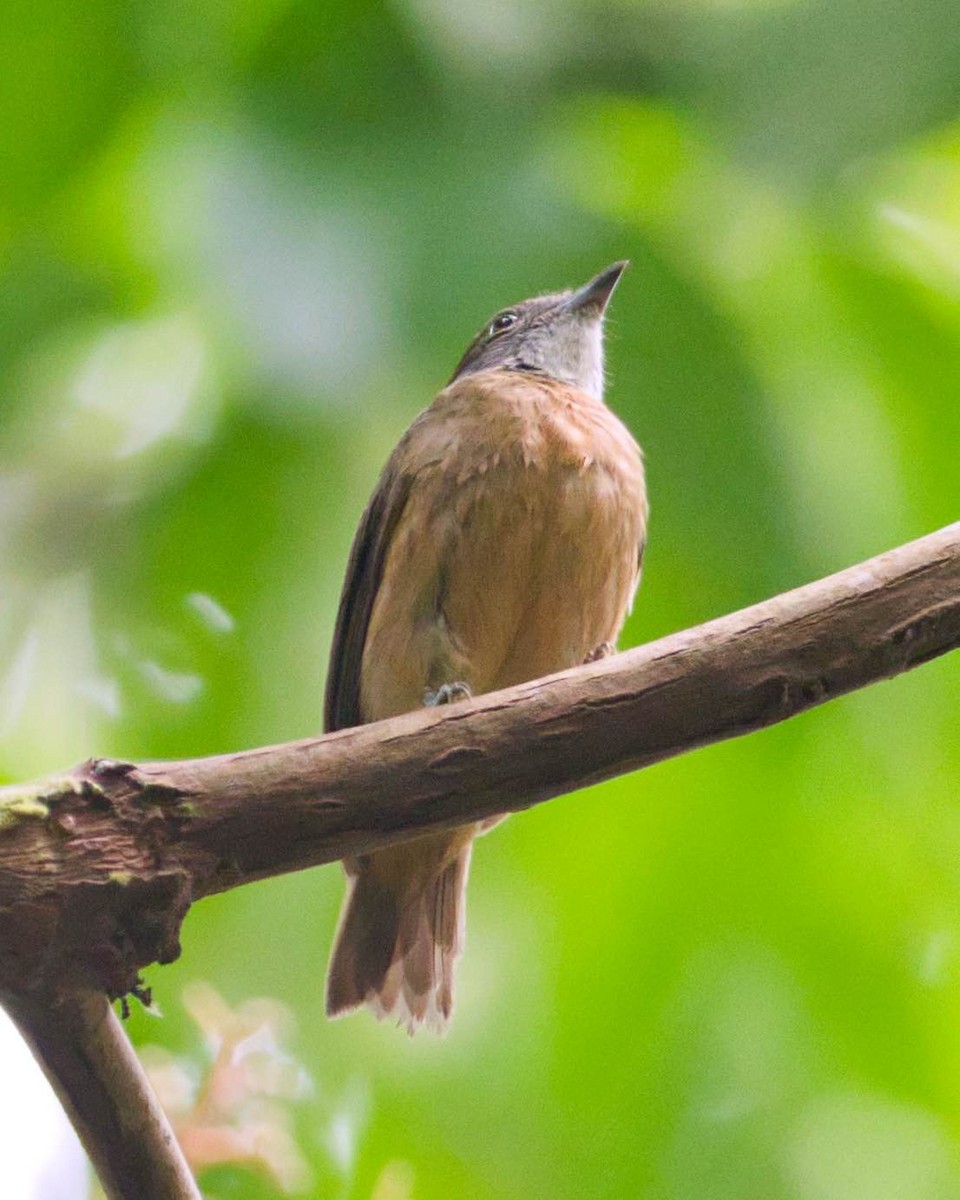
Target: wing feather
<point>364,570</point>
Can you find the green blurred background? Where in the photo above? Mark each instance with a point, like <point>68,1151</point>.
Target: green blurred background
<point>242,242</point>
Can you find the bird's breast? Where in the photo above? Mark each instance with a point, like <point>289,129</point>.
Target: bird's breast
<point>516,555</point>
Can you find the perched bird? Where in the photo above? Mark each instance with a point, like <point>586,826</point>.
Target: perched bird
<point>503,542</point>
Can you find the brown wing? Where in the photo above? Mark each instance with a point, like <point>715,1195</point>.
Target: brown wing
<point>341,707</point>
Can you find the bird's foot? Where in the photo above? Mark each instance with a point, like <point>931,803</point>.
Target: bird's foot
<point>447,693</point>
<point>604,650</point>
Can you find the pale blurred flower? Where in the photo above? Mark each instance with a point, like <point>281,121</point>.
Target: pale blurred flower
<point>237,1110</point>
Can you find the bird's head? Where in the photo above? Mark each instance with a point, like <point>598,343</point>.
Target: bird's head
<point>560,336</point>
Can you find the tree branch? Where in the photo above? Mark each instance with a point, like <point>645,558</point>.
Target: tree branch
<point>98,867</point>
<point>99,1081</point>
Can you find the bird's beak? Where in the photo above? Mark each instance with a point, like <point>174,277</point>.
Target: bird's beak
<point>594,296</point>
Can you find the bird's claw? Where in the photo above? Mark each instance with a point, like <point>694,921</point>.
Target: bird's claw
<point>604,650</point>
<point>447,693</point>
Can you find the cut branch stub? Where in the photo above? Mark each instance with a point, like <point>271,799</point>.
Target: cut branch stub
<point>88,893</point>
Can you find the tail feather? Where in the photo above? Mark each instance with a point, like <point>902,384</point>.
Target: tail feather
<point>399,938</point>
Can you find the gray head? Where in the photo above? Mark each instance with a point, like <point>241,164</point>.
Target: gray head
<point>558,336</point>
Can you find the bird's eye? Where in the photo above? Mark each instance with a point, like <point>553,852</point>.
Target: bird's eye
<point>501,322</point>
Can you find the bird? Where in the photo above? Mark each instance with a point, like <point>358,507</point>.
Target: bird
<point>504,541</point>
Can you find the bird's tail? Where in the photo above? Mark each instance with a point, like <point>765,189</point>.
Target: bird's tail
<point>401,932</point>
